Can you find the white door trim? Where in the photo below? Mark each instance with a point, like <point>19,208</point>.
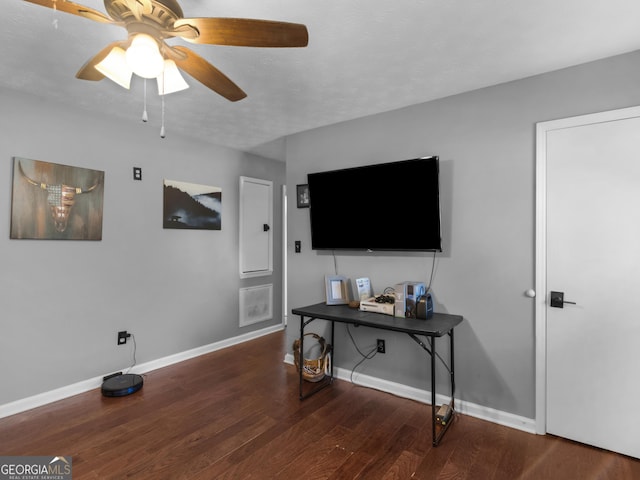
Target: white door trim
<point>285,258</point>
<point>542,129</point>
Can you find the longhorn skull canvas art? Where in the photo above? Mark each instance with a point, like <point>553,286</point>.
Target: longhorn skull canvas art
<point>53,201</point>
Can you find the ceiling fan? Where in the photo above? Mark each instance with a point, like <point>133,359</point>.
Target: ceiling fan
<point>150,22</point>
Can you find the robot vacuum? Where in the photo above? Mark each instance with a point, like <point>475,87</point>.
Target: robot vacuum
<point>121,385</point>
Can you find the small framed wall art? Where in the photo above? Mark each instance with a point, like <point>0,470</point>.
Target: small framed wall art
<point>302,196</point>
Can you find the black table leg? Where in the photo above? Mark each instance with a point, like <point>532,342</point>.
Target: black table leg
<point>333,345</point>
<point>300,354</point>
<point>445,427</point>
<point>432,343</point>
<point>453,376</point>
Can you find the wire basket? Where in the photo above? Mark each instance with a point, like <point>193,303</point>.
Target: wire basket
<point>314,369</point>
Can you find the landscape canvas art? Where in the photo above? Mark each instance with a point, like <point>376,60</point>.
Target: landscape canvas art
<point>192,206</point>
<point>56,202</point>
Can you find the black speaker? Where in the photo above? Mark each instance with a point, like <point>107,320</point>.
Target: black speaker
<point>424,310</point>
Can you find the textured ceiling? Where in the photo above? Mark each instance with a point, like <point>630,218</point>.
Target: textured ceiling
<point>364,57</point>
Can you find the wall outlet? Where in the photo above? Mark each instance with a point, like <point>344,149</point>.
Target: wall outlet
<point>381,346</point>
<point>122,337</point>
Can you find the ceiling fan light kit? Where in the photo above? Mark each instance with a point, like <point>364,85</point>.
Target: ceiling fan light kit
<point>150,22</point>
<point>116,68</point>
<point>144,57</point>
<point>119,66</point>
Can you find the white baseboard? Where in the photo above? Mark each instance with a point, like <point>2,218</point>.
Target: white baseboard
<point>424,396</point>
<point>61,393</point>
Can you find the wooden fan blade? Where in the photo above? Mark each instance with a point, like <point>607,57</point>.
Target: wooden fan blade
<point>242,32</point>
<point>74,9</point>
<point>88,71</point>
<point>205,73</point>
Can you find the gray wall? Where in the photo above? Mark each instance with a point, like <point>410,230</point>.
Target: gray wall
<point>486,143</point>
<point>62,302</point>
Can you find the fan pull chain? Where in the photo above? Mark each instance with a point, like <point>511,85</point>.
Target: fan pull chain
<point>162,134</point>
<point>145,117</point>
<point>55,18</point>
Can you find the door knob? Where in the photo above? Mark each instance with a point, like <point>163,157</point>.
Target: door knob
<point>265,227</point>
<point>556,300</point>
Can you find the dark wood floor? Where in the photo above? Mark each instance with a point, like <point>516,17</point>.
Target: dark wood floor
<point>235,414</point>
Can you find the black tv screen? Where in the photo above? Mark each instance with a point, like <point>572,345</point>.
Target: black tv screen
<point>389,206</point>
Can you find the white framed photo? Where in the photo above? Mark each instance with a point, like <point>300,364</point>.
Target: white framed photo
<point>336,290</point>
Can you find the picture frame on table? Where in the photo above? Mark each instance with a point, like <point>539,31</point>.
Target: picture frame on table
<point>336,288</point>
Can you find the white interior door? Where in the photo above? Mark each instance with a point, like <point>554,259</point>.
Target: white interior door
<point>593,257</point>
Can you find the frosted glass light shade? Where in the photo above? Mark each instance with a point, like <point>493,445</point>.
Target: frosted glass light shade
<point>115,67</point>
<point>170,80</point>
<point>144,57</point>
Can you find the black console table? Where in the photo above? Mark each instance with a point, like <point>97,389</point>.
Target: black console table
<point>439,325</point>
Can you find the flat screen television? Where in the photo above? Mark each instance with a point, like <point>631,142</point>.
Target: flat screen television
<point>388,206</point>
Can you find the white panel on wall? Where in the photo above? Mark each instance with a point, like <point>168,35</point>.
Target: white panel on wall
<point>256,304</point>
<point>256,221</point>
